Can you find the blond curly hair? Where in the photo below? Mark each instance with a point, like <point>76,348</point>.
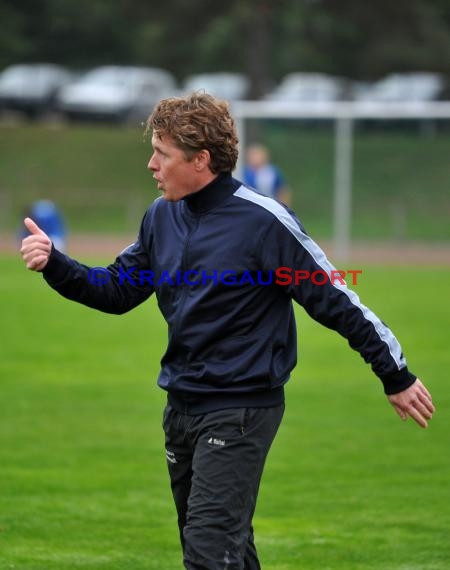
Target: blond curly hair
<point>197,122</point>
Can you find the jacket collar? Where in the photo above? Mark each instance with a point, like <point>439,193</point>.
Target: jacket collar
<point>212,194</point>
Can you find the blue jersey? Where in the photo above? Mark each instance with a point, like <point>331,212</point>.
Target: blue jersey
<point>49,219</point>
<point>267,179</point>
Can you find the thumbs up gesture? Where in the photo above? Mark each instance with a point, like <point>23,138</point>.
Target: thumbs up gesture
<point>36,248</point>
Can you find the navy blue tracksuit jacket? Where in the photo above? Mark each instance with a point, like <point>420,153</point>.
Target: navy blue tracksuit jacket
<point>213,260</point>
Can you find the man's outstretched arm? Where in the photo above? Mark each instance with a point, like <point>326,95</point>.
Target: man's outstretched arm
<point>72,279</point>
<point>335,306</point>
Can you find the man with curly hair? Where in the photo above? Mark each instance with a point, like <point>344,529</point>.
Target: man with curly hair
<point>208,249</point>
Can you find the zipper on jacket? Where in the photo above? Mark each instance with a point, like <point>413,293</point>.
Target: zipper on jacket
<point>184,286</point>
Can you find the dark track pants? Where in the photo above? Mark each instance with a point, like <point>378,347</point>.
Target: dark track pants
<point>215,464</point>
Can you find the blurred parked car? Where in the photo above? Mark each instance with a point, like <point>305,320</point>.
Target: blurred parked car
<point>117,93</point>
<point>403,87</point>
<point>225,85</point>
<point>307,88</point>
<point>31,88</point>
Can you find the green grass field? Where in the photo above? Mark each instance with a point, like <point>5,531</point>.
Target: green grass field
<point>348,486</point>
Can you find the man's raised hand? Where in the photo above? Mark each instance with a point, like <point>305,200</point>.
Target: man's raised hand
<point>36,248</point>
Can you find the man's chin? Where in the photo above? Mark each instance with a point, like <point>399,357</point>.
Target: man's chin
<point>163,193</point>
<point>168,197</point>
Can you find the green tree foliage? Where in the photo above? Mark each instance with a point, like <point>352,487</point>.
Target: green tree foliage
<point>263,38</point>
<point>365,40</point>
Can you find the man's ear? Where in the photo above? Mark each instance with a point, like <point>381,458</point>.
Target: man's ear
<point>202,160</point>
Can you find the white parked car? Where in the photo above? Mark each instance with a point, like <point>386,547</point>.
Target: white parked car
<point>225,85</point>
<point>118,93</point>
<point>404,87</point>
<point>32,88</point>
<point>307,88</point>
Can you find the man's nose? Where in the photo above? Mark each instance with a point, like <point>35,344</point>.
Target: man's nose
<point>152,163</point>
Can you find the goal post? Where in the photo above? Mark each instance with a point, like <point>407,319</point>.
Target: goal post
<point>344,114</point>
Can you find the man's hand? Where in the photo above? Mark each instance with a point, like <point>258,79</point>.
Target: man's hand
<point>36,248</point>
<point>415,402</point>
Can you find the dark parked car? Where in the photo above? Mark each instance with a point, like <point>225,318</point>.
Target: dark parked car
<point>32,88</point>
